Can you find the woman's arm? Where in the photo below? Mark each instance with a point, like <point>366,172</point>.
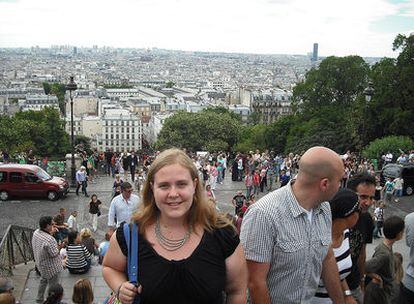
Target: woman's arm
<point>114,273</point>
<point>236,274</point>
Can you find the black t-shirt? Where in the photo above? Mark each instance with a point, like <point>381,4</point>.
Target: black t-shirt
<point>359,235</point>
<point>94,207</point>
<point>198,279</point>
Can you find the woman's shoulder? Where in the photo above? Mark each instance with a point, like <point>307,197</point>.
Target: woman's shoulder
<point>227,238</point>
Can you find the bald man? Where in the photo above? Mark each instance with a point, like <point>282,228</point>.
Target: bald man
<point>287,235</point>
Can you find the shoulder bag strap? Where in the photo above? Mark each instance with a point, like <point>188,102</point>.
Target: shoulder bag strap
<point>132,259</point>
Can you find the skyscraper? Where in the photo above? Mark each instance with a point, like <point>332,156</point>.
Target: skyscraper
<point>315,52</point>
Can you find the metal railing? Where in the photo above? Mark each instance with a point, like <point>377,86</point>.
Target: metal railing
<point>15,248</point>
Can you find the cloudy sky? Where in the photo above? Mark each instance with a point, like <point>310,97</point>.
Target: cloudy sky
<point>341,27</point>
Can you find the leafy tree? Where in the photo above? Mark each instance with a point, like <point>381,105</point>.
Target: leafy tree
<point>252,138</point>
<point>169,84</point>
<point>222,110</point>
<point>47,87</point>
<point>393,144</point>
<point>205,130</point>
<point>44,130</point>
<point>58,89</point>
<point>254,118</point>
<point>276,134</point>
<point>337,81</point>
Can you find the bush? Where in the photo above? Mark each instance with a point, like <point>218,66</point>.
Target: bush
<point>393,144</point>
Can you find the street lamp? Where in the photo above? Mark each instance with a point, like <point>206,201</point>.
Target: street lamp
<point>369,92</point>
<point>72,86</point>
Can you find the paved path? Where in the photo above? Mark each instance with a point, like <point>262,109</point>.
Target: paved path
<point>27,213</point>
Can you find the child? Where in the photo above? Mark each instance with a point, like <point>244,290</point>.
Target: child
<point>379,219</point>
<point>82,292</point>
<point>381,266</point>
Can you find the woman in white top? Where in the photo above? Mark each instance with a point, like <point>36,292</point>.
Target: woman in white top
<point>345,214</point>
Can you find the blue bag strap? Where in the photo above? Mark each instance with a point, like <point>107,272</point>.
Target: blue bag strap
<point>133,263</point>
<point>127,241</point>
<point>132,259</point>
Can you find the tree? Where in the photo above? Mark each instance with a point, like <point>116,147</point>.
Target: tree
<point>222,110</point>
<point>169,84</point>
<point>45,130</point>
<point>58,89</point>
<point>393,144</point>
<point>201,131</point>
<point>47,87</point>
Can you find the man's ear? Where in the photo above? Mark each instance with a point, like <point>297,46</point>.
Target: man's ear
<point>324,183</point>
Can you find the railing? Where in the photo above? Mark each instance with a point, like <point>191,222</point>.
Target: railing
<point>15,248</point>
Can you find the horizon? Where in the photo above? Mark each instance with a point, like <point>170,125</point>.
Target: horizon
<point>51,47</point>
<point>265,27</point>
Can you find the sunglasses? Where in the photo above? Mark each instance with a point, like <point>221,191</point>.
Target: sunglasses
<point>129,191</point>
<point>366,197</point>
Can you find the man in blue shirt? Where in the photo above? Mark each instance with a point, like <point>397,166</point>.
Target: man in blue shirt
<point>122,206</point>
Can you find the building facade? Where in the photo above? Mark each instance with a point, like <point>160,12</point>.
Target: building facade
<point>271,104</point>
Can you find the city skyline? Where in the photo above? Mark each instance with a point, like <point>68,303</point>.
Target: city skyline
<point>364,28</point>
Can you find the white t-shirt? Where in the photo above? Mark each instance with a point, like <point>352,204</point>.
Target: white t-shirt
<point>72,223</point>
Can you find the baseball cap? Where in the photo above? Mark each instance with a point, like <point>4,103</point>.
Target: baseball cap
<point>344,203</point>
<point>5,285</point>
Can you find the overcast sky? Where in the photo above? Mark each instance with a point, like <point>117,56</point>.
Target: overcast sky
<point>341,27</point>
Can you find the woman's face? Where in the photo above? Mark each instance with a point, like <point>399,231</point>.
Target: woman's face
<point>94,198</point>
<point>173,190</point>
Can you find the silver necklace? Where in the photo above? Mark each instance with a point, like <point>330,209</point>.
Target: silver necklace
<point>170,244</point>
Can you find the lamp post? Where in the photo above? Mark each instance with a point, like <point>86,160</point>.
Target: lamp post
<point>72,86</point>
<point>368,92</point>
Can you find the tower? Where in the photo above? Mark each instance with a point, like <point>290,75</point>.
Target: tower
<point>315,52</point>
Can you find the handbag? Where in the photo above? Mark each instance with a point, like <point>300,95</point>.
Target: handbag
<point>132,261</point>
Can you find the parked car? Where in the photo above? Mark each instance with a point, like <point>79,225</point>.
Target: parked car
<point>406,171</point>
<point>30,181</point>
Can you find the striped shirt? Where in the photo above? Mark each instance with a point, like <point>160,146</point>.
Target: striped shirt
<point>277,230</point>
<point>344,262</point>
<point>46,254</point>
<point>77,256</point>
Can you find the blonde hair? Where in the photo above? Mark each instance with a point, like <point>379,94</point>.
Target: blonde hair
<point>85,233</point>
<point>82,292</point>
<point>201,212</point>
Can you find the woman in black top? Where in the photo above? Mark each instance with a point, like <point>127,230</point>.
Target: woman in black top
<point>187,253</point>
<point>94,211</point>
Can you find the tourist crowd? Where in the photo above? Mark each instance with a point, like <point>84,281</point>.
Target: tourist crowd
<point>304,240</point>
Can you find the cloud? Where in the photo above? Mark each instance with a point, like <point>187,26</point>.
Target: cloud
<point>262,26</point>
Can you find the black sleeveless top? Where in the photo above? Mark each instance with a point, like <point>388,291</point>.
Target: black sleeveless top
<point>198,279</point>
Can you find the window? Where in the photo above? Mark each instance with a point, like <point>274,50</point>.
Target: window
<point>3,177</point>
<point>16,177</point>
<point>30,177</point>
